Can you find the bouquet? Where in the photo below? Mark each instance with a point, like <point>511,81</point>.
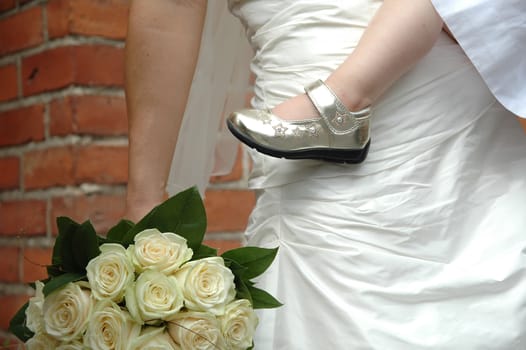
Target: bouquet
<point>149,285</point>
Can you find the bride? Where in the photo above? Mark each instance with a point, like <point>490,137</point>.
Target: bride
<point>420,246</point>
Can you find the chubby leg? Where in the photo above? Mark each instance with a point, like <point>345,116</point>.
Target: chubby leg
<point>399,35</point>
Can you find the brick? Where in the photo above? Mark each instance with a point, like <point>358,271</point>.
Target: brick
<point>9,264</point>
<point>102,164</point>
<point>10,305</point>
<point>99,65</point>
<point>101,115</point>
<point>22,217</point>
<point>49,70</point>
<point>106,18</point>
<point>7,5</point>
<point>228,210</point>
<point>235,174</point>
<point>49,167</point>
<point>222,245</point>
<point>21,30</point>
<point>35,261</point>
<point>93,115</point>
<point>61,120</point>
<point>104,211</point>
<point>8,77</point>
<point>22,125</point>
<point>9,173</point>
<point>64,66</point>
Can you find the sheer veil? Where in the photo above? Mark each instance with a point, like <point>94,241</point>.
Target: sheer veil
<point>205,147</point>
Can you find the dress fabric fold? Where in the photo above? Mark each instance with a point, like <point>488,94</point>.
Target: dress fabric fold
<point>423,245</point>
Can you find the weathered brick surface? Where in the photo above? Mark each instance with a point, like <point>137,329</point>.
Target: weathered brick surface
<point>9,264</point>
<point>104,211</point>
<point>9,82</point>
<point>7,5</point>
<point>48,70</point>
<point>102,164</point>
<point>49,167</point>
<point>34,261</point>
<point>106,18</point>
<point>9,173</point>
<point>64,66</point>
<point>22,217</point>
<point>91,115</point>
<point>21,30</point>
<point>10,305</point>
<point>228,210</point>
<point>22,125</point>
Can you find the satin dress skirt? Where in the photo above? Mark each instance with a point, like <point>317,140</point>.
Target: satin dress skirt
<point>422,246</point>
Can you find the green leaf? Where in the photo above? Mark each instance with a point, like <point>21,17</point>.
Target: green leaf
<point>75,246</point>
<point>17,325</point>
<point>60,281</point>
<point>242,291</point>
<point>84,246</point>
<point>66,227</point>
<point>237,269</point>
<point>204,251</point>
<point>67,230</point>
<point>183,214</point>
<point>117,232</point>
<point>255,259</point>
<point>54,271</point>
<point>262,299</point>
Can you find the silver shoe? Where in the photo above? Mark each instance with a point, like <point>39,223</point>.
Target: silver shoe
<point>338,136</point>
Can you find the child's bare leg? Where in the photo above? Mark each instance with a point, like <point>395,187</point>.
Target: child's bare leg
<point>399,35</point>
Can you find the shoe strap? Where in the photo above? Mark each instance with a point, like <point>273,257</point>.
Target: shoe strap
<point>337,117</point>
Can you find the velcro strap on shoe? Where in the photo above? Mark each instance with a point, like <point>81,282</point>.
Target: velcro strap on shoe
<point>337,117</point>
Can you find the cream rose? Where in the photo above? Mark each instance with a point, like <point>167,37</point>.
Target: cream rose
<point>110,327</point>
<point>154,338</point>
<point>67,310</point>
<point>153,297</point>
<point>41,341</point>
<point>34,315</point>
<point>238,324</point>
<point>163,252</point>
<point>110,272</point>
<point>196,330</point>
<point>208,285</point>
<point>76,345</point>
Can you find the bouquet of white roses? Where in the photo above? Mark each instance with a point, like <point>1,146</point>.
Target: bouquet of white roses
<point>150,285</point>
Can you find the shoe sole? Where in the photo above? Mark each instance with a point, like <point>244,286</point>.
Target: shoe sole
<point>330,155</point>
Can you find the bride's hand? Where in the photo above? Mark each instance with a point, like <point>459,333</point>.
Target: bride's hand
<point>296,108</point>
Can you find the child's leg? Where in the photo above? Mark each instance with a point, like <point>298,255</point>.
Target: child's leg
<point>399,35</point>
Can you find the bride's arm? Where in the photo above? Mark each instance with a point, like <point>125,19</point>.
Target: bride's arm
<point>161,53</point>
<point>399,35</point>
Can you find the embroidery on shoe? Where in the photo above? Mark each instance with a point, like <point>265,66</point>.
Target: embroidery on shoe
<point>297,131</point>
<point>312,129</point>
<point>343,120</point>
<point>279,129</point>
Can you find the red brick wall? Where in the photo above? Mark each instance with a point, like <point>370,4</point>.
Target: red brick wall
<point>63,144</point>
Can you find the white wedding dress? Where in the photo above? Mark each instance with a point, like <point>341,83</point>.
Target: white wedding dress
<point>423,246</point>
